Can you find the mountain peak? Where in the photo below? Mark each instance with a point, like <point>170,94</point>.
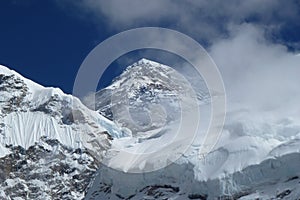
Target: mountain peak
<point>31,85</point>
<point>5,70</point>
<point>147,61</point>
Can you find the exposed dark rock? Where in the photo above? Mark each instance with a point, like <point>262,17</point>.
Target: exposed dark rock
<point>39,171</point>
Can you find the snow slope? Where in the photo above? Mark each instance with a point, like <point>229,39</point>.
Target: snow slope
<point>30,111</point>
<point>252,160</point>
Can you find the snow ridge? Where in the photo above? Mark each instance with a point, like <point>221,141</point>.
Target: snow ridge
<point>30,111</point>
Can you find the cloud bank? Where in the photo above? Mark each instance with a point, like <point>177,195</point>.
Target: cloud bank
<point>258,74</point>
<point>203,20</point>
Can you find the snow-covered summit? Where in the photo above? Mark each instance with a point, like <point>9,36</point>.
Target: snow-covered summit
<point>150,62</point>
<point>142,85</point>
<point>150,99</point>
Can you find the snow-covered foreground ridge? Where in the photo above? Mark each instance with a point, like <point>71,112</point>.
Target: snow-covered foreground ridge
<point>29,111</point>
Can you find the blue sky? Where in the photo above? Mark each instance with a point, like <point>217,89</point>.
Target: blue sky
<point>43,42</point>
<point>47,40</point>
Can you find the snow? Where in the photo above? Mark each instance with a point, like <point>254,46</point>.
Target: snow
<point>32,85</point>
<point>150,99</point>
<point>25,127</point>
<point>3,151</point>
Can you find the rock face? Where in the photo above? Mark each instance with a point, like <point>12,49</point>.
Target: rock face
<point>13,93</point>
<point>46,170</point>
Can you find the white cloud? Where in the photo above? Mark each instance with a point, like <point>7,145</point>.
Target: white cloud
<point>205,20</point>
<point>258,75</point>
